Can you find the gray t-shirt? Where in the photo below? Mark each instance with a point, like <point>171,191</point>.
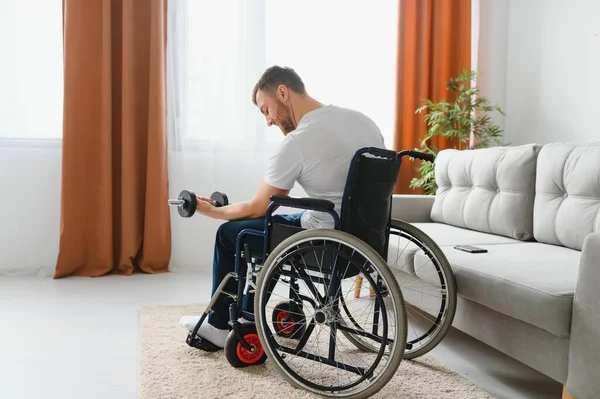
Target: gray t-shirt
<point>317,155</point>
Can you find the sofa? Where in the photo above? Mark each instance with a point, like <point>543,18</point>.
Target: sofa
<point>535,295</point>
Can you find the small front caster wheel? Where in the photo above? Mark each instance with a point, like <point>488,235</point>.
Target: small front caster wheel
<point>237,355</point>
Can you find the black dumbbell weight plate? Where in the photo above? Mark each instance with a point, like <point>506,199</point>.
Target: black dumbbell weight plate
<point>189,206</point>
<point>219,199</point>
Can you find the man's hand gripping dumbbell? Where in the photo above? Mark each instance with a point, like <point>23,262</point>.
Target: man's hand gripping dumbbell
<point>188,202</point>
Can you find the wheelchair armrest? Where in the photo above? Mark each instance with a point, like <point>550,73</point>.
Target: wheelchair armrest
<point>306,202</point>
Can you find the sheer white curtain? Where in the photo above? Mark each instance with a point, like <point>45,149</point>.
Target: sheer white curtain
<point>344,50</point>
<point>31,100</point>
<point>215,55</point>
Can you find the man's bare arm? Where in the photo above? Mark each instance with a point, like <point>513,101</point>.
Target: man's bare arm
<point>255,208</point>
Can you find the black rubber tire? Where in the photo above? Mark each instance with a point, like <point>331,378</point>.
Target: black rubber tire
<point>451,290</point>
<point>393,362</point>
<point>233,348</point>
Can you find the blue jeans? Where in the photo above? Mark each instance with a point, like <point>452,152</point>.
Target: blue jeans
<point>224,259</point>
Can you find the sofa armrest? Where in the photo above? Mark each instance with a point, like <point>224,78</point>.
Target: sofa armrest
<point>584,348</point>
<point>412,208</point>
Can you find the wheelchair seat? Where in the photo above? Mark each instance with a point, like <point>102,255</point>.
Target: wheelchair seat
<point>366,202</point>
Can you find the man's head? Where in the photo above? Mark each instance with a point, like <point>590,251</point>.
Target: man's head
<point>274,95</point>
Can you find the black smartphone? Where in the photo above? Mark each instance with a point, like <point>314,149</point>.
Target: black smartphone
<point>470,249</point>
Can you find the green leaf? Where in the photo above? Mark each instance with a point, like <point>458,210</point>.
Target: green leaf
<point>456,119</point>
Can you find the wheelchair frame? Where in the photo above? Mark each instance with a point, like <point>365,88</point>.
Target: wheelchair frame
<point>372,233</point>
<point>237,308</point>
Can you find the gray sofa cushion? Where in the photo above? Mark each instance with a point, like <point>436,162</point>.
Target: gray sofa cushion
<point>444,234</point>
<point>567,200</point>
<point>489,190</point>
<point>401,252</point>
<point>532,282</point>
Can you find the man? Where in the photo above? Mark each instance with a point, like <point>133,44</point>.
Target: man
<point>319,143</point>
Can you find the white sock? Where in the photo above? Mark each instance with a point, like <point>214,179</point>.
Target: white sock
<point>206,330</point>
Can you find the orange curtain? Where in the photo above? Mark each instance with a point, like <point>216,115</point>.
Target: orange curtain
<point>434,44</point>
<point>114,211</point>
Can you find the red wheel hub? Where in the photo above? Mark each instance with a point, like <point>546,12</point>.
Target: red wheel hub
<point>247,356</point>
<point>286,327</point>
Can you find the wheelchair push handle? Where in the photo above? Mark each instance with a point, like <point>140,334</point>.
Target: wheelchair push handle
<point>390,154</point>
<point>418,155</point>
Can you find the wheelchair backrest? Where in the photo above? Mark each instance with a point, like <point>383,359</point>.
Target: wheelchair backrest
<point>367,202</point>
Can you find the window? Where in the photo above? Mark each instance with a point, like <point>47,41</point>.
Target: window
<point>344,50</point>
<point>31,70</point>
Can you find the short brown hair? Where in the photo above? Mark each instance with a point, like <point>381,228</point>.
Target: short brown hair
<point>275,76</point>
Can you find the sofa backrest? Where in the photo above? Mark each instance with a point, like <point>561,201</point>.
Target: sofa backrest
<point>567,199</point>
<point>489,190</point>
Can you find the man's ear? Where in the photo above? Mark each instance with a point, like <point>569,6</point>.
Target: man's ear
<point>282,93</point>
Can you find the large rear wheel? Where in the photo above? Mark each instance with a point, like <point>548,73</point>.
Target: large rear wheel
<point>323,360</point>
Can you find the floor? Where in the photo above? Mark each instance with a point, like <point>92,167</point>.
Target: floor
<point>77,338</point>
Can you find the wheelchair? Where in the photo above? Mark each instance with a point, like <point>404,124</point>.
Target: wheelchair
<point>299,301</point>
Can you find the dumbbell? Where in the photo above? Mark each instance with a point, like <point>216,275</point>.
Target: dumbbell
<point>186,202</point>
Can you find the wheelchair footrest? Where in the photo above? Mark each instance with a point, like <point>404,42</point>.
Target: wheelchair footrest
<point>199,343</point>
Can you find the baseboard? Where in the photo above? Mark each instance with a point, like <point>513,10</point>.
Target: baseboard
<point>190,269</point>
<point>26,271</point>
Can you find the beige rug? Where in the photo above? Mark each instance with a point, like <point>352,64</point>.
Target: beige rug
<point>169,368</point>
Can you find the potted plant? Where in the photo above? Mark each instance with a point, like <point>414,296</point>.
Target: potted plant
<point>457,120</point>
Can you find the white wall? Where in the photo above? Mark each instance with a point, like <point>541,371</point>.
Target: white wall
<point>30,205</point>
<point>234,173</point>
<point>490,51</point>
<point>540,59</point>
<point>29,209</point>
